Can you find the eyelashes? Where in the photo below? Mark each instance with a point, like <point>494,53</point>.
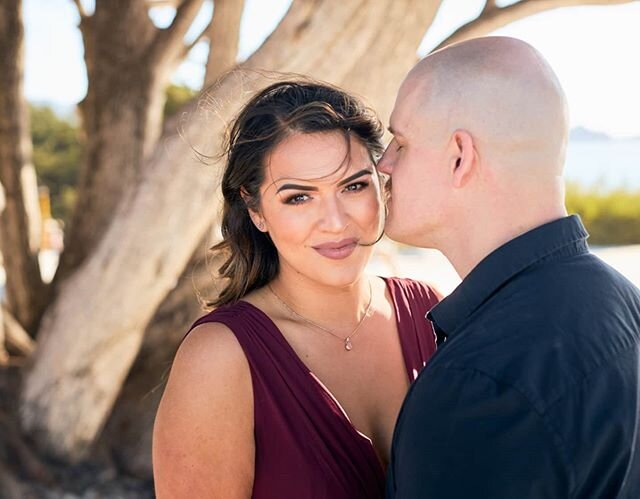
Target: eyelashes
<point>300,198</point>
<point>357,186</point>
<point>296,199</point>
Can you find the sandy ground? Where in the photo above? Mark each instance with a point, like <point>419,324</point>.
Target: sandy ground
<point>432,267</point>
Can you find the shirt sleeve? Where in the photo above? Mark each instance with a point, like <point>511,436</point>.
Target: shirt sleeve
<point>461,434</point>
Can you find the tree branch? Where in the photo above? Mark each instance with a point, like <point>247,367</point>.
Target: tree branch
<point>81,10</point>
<point>188,47</point>
<point>20,215</point>
<point>494,18</point>
<point>224,37</point>
<point>4,355</point>
<point>16,338</point>
<point>489,6</point>
<point>168,42</point>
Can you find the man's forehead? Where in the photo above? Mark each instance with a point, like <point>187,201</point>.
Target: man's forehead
<point>409,106</point>
<point>399,121</point>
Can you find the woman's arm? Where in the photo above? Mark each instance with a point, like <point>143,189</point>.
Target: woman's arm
<point>203,444</point>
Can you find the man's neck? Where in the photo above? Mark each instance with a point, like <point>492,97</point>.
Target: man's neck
<point>468,247</point>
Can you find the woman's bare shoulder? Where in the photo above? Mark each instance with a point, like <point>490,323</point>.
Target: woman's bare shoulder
<point>203,433</point>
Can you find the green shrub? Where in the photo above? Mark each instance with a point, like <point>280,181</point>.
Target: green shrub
<point>611,217</point>
<point>56,157</point>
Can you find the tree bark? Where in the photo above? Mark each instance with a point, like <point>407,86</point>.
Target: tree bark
<point>391,51</point>
<point>223,34</point>
<point>4,355</point>
<point>129,63</point>
<point>129,429</point>
<point>493,17</point>
<point>17,340</point>
<point>20,219</point>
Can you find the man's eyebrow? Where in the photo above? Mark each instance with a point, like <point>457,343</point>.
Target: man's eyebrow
<point>393,132</point>
<point>296,187</point>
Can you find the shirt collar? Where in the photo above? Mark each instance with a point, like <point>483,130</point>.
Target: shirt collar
<point>501,265</point>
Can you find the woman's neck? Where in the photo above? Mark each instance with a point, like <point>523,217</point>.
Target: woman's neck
<point>336,307</point>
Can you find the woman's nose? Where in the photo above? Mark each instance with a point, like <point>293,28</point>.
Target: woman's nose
<point>334,218</point>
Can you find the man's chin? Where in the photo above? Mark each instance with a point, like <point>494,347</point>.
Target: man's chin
<point>396,233</point>
<point>405,234</point>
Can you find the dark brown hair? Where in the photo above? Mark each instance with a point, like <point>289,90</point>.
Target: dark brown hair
<point>281,109</point>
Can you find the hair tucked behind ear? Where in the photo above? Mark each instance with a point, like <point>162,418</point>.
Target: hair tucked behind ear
<point>287,107</point>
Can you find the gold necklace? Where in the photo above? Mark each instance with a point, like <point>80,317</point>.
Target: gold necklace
<point>348,346</point>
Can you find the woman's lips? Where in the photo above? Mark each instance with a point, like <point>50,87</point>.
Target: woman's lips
<point>337,250</point>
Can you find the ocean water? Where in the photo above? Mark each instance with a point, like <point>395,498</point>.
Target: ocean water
<point>604,164</point>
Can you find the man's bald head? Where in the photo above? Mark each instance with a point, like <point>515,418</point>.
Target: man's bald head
<point>480,131</point>
<point>503,93</point>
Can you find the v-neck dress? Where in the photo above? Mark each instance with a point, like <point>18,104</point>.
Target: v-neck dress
<point>305,445</point>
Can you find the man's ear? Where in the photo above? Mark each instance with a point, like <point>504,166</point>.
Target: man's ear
<point>463,160</point>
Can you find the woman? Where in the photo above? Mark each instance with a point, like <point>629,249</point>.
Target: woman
<point>291,387</point>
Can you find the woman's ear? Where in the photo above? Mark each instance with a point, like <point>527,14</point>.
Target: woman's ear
<point>464,158</point>
<point>255,216</point>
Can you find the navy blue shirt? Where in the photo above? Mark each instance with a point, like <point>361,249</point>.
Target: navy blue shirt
<point>534,391</point>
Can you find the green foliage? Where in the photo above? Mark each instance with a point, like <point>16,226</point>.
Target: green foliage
<point>611,217</point>
<point>56,157</point>
<point>57,150</point>
<point>177,95</point>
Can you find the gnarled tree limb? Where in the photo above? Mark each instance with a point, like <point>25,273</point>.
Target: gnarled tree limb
<point>224,36</point>
<point>168,44</point>
<point>494,18</point>
<point>20,223</point>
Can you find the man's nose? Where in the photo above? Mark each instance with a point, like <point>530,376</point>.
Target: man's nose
<point>385,163</point>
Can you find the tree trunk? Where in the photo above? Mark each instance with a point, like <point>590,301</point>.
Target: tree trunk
<point>4,355</point>
<point>17,340</point>
<point>121,118</point>
<point>20,219</point>
<point>223,39</point>
<point>129,430</point>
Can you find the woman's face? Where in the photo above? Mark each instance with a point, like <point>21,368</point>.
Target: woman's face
<point>320,202</point>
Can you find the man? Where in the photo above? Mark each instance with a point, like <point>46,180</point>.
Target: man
<point>534,389</point>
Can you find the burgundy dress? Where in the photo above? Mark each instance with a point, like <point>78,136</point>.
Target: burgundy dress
<point>306,447</point>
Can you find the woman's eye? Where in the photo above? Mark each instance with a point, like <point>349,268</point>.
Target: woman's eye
<point>296,199</point>
<point>356,186</point>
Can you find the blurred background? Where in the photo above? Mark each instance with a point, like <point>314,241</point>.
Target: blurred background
<point>111,113</point>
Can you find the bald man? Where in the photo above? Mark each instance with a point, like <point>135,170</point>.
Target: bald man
<point>534,390</point>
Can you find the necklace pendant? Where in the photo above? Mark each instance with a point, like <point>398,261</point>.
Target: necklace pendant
<point>348,346</point>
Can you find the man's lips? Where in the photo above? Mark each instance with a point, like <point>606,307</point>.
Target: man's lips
<point>337,250</point>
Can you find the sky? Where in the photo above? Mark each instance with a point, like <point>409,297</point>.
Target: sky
<point>594,51</point>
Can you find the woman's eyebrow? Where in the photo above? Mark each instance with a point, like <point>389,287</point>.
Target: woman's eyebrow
<point>298,187</point>
<point>365,171</point>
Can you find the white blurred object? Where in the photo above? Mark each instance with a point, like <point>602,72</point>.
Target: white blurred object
<point>427,265</point>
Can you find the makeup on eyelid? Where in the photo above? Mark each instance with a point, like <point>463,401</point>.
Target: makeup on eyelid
<point>361,186</point>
